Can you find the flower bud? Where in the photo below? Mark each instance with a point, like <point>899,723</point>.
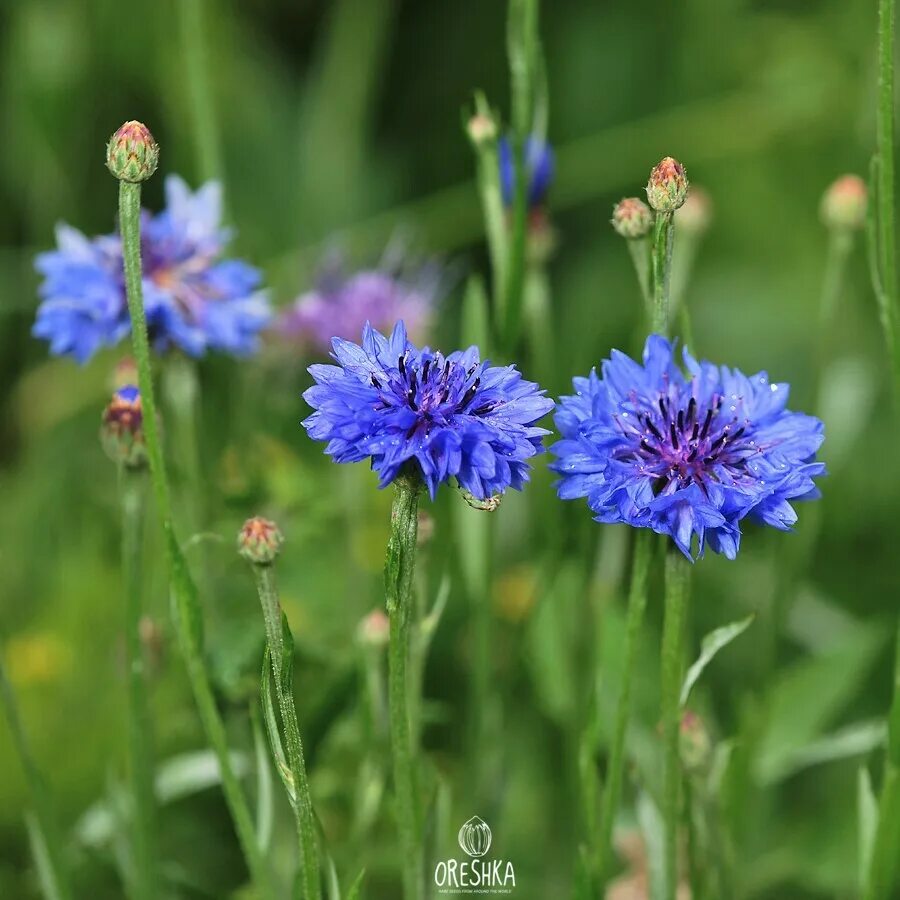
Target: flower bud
<point>374,630</point>
<point>844,204</point>
<point>696,214</point>
<point>668,185</point>
<point>482,129</point>
<point>122,428</point>
<point>694,742</point>
<point>425,531</point>
<point>632,218</point>
<point>132,154</point>
<point>124,373</point>
<point>259,541</point>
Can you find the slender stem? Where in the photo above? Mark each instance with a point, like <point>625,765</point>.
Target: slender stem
<point>884,125</point>
<point>522,47</point>
<point>840,243</point>
<point>140,728</point>
<point>303,808</point>
<point>637,603</point>
<point>203,112</point>
<point>638,251</point>
<point>399,570</point>
<point>183,588</point>
<point>55,876</point>
<point>676,595</point>
<point>661,268</point>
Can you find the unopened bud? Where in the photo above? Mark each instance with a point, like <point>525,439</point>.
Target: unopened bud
<point>668,185</point>
<point>260,541</point>
<point>131,154</point>
<point>844,204</point>
<point>482,129</point>
<point>632,218</point>
<point>375,629</point>
<point>694,743</point>
<point>122,428</point>
<point>425,531</point>
<point>696,214</point>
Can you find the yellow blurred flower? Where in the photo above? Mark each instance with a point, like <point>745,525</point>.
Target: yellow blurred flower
<point>514,594</point>
<point>38,658</point>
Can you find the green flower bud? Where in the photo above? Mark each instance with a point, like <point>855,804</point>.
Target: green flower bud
<point>482,129</point>
<point>132,154</point>
<point>668,185</point>
<point>122,429</point>
<point>260,541</point>
<point>695,746</point>
<point>844,204</point>
<point>375,629</point>
<point>632,218</point>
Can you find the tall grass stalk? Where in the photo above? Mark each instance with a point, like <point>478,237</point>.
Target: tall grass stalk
<point>46,841</point>
<point>132,488</point>
<point>637,604</point>
<point>194,32</point>
<point>883,867</point>
<point>184,591</point>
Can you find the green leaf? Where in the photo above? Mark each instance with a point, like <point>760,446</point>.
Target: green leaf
<point>653,830</point>
<point>40,851</point>
<point>854,740</point>
<point>867,811</point>
<point>709,647</point>
<point>355,891</point>
<point>265,806</point>
<point>270,717</point>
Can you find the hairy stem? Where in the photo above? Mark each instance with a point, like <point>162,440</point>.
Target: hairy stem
<point>303,808</point>
<point>661,270</point>
<point>399,571</point>
<point>140,729</point>
<point>677,573</point>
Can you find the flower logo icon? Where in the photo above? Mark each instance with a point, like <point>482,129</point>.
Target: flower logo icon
<point>475,837</point>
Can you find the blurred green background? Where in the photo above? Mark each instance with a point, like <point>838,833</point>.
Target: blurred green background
<point>338,124</point>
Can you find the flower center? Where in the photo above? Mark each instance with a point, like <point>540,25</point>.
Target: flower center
<point>690,445</point>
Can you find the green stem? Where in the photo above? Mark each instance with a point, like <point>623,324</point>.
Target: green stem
<point>522,47</point>
<point>184,591</point>
<point>303,808</point>
<point>140,728</point>
<point>203,112</point>
<point>54,876</point>
<point>886,849</point>
<point>661,268</point>
<point>676,595</point>
<point>637,603</point>
<point>637,249</point>
<point>399,571</point>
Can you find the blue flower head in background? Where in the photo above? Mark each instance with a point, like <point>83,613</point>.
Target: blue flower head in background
<point>685,454</point>
<point>540,164</point>
<point>450,416</point>
<point>194,299</point>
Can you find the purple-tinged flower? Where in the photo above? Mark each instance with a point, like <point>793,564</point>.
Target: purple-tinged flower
<point>194,299</point>
<point>448,416</point>
<point>341,305</point>
<point>685,454</point>
<point>539,163</point>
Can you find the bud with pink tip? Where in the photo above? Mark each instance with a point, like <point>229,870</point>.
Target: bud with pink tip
<point>632,218</point>
<point>482,129</point>
<point>122,428</point>
<point>132,154</point>
<point>374,630</point>
<point>844,204</point>
<point>260,541</point>
<point>667,188</point>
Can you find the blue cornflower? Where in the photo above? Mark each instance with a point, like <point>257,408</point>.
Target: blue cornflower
<point>539,163</point>
<point>194,299</point>
<point>686,454</point>
<point>449,416</point>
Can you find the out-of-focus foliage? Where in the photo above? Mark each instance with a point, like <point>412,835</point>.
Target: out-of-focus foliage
<point>339,125</point>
